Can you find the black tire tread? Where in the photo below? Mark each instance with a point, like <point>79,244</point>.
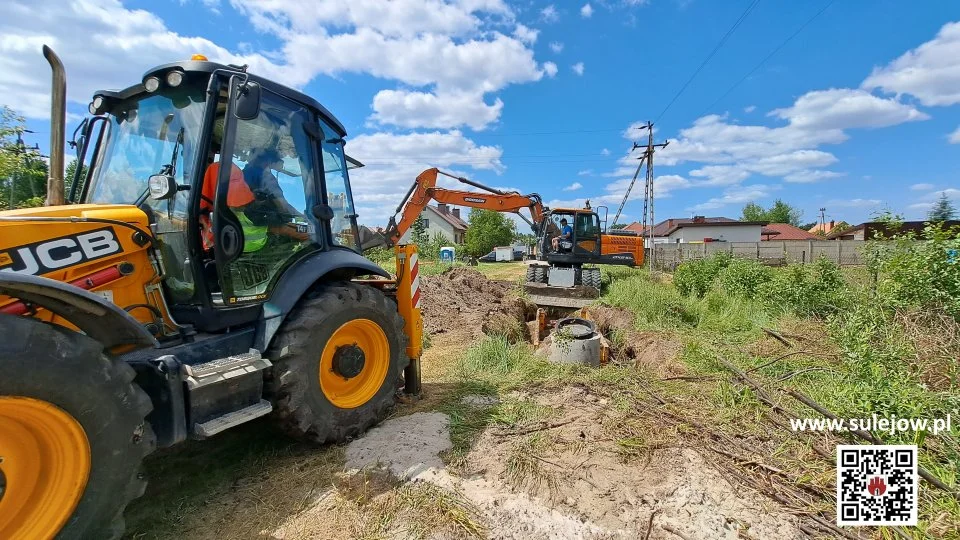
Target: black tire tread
<point>288,384</point>
<point>71,364</point>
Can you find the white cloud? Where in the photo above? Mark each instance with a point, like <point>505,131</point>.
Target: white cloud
<point>443,110</point>
<point>585,172</point>
<point>573,187</point>
<point>395,18</point>
<point>114,49</point>
<point>853,203</point>
<point>393,161</point>
<point>586,11</point>
<point>921,187</point>
<point>549,14</point>
<point>526,34</point>
<point>845,108</point>
<point>556,47</point>
<point>449,46</point>
<point>719,175</point>
<point>605,152</point>
<point>735,195</point>
<point>954,137</point>
<point>930,72</point>
<point>577,68</point>
<point>749,109</point>
<point>550,69</point>
<point>810,176</point>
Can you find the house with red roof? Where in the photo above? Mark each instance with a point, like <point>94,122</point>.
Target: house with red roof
<point>785,231</point>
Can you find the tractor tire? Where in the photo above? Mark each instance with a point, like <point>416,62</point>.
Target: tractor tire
<point>339,363</point>
<point>71,409</point>
<point>540,274</point>
<point>531,273</point>
<point>591,277</point>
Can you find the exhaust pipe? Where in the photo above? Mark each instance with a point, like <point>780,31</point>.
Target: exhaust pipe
<point>58,120</point>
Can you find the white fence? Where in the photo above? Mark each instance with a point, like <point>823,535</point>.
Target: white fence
<point>775,253</point>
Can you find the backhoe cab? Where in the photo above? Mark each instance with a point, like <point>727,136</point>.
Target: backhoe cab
<point>204,275</point>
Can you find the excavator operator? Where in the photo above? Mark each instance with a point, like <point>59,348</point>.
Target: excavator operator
<point>566,234</point>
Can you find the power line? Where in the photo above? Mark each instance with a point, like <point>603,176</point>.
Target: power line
<point>723,40</point>
<point>768,57</point>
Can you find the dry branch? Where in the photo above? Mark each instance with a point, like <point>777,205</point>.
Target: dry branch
<point>777,336</point>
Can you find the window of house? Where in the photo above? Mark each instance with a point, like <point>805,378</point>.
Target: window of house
<point>426,223</point>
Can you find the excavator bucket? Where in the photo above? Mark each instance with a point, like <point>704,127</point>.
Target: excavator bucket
<point>574,297</point>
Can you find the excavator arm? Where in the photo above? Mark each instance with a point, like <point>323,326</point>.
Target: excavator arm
<point>425,189</point>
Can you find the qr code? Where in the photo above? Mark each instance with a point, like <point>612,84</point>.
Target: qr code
<point>876,484</point>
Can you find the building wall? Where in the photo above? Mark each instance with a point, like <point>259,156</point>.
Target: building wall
<point>730,233</point>
<point>436,225</point>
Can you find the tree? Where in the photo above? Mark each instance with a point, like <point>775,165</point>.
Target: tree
<point>780,212</point>
<point>23,174</point>
<point>419,235</point>
<point>943,210</point>
<point>619,226</point>
<point>488,229</point>
<point>68,177</point>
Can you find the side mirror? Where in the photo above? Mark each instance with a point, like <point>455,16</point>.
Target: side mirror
<point>162,187</point>
<point>247,105</point>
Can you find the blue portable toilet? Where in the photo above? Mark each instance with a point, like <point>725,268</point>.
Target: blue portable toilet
<point>448,254</point>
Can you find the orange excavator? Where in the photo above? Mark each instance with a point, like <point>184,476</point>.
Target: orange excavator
<point>567,238</point>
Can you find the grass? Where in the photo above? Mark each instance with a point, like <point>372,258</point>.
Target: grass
<point>849,370</point>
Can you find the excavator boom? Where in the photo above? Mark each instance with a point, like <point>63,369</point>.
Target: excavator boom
<point>425,189</point>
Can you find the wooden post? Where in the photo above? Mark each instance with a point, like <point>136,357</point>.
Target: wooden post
<point>839,251</point>
<point>810,245</point>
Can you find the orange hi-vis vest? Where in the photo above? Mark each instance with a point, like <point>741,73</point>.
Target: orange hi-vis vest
<point>238,196</point>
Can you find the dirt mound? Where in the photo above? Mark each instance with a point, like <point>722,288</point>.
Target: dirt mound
<point>629,346</point>
<point>463,298</point>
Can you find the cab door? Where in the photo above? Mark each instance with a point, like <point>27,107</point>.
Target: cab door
<point>263,221</point>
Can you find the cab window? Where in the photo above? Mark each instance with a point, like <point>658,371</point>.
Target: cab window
<point>338,195</point>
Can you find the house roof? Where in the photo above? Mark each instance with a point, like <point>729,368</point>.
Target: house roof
<point>834,234</point>
<point>707,222</point>
<point>448,216</point>
<point>667,226</point>
<point>785,231</point>
<point>825,227</point>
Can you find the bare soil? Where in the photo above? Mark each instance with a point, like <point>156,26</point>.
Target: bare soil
<point>572,481</point>
<point>653,351</point>
<point>463,298</point>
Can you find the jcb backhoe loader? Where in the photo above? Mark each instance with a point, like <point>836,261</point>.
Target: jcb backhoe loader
<point>204,273</point>
<point>567,238</point>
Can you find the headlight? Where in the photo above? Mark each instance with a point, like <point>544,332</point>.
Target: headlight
<point>151,84</point>
<point>96,106</point>
<point>174,78</point>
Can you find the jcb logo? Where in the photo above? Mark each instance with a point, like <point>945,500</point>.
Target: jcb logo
<point>43,257</point>
<point>475,199</point>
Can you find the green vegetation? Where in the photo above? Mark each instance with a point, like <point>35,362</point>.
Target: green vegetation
<point>488,229</point>
<point>780,212</point>
<point>942,210</point>
<point>878,342</point>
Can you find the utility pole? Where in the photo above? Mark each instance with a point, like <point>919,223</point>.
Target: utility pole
<point>823,220</point>
<point>648,196</point>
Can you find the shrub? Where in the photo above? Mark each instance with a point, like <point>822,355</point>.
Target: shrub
<point>921,273</point>
<point>812,290</point>
<point>742,277</point>
<point>696,277</point>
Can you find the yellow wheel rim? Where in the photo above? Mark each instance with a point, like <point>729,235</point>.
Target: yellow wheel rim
<point>46,463</point>
<point>347,382</point>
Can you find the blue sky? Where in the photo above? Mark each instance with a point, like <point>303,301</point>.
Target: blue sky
<point>854,114</point>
